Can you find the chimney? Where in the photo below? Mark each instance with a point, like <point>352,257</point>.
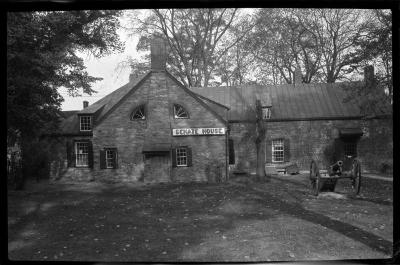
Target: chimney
<point>85,104</point>
<point>369,75</point>
<point>132,77</point>
<point>158,53</point>
<point>297,77</point>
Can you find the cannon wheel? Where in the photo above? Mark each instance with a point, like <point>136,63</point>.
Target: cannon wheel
<point>315,178</point>
<point>356,176</point>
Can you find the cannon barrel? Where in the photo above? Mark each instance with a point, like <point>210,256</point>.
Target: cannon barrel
<point>338,163</point>
<point>336,168</point>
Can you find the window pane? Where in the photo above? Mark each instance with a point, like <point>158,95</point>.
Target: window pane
<point>277,151</point>
<point>180,112</point>
<point>181,157</point>
<point>82,153</point>
<point>110,155</point>
<point>266,112</point>
<point>139,113</point>
<point>86,123</point>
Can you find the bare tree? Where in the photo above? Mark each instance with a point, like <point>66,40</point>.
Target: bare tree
<point>376,48</point>
<point>338,32</point>
<point>236,67</point>
<point>280,45</point>
<point>322,43</point>
<point>198,39</point>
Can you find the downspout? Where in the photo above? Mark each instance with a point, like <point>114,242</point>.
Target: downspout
<point>226,152</point>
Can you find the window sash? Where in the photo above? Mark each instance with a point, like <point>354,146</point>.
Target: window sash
<point>180,112</point>
<point>181,157</point>
<point>266,113</point>
<point>278,153</point>
<point>139,113</point>
<point>110,155</point>
<point>82,154</point>
<point>85,123</point>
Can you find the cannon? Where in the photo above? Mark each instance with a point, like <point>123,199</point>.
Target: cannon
<point>325,180</point>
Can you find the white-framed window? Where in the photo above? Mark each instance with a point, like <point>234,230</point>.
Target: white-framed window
<point>110,158</point>
<point>85,123</point>
<point>82,154</point>
<point>139,113</point>
<point>180,112</point>
<point>266,113</point>
<point>278,150</point>
<point>181,157</point>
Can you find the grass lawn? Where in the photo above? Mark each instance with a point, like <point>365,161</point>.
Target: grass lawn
<point>234,221</point>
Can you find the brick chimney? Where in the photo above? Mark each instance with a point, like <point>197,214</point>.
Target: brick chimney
<point>85,104</point>
<point>297,77</point>
<point>132,77</point>
<point>158,53</point>
<point>369,75</point>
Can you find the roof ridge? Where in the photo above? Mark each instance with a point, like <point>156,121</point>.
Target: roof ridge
<point>194,95</point>
<point>206,98</point>
<point>108,97</point>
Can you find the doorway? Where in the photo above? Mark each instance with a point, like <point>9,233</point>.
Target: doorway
<point>350,152</point>
<point>157,167</point>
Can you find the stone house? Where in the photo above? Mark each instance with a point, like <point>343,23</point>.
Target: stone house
<point>151,129</point>
<point>154,129</point>
<point>304,122</point>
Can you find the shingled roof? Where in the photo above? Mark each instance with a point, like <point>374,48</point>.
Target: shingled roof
<point>289,102</point>
<point>103,105</point>
<point>68,113</point>
<point>70,125</point>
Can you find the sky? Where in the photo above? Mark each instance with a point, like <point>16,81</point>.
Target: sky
<point>106,68</point>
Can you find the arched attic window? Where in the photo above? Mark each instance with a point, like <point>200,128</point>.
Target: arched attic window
<point>139,113</point>
<point>180,112</point>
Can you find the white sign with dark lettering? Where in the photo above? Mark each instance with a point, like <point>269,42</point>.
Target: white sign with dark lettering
<point>198,131</point>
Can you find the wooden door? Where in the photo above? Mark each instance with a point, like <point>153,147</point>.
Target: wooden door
<point>157,168</point>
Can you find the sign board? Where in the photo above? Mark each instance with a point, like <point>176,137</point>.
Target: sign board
<point>198,131</point>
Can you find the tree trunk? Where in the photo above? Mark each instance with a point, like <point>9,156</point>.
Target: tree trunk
<point>260,161</point>
<point>23,171</point>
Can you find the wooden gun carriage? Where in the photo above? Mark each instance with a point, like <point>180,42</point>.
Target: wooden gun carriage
<point>325,180</point>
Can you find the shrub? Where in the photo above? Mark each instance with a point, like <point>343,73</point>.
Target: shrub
<point>385,167</point>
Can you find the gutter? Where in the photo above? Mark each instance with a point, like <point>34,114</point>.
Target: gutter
<point>358,117</point>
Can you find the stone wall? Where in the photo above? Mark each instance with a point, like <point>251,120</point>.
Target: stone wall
<point>308,139</point>
<point>159,93</point>
<point>59,169</point>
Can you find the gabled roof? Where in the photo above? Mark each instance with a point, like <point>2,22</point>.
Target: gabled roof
<point>288,101</point>
<point>300,101</point>
<point>105,104</point>
<point>68,113</point>
<point>195,96</point>
<point>101,108</point>
<point>70,125</point>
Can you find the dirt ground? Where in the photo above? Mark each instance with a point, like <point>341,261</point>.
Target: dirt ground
<point>236,221</point>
